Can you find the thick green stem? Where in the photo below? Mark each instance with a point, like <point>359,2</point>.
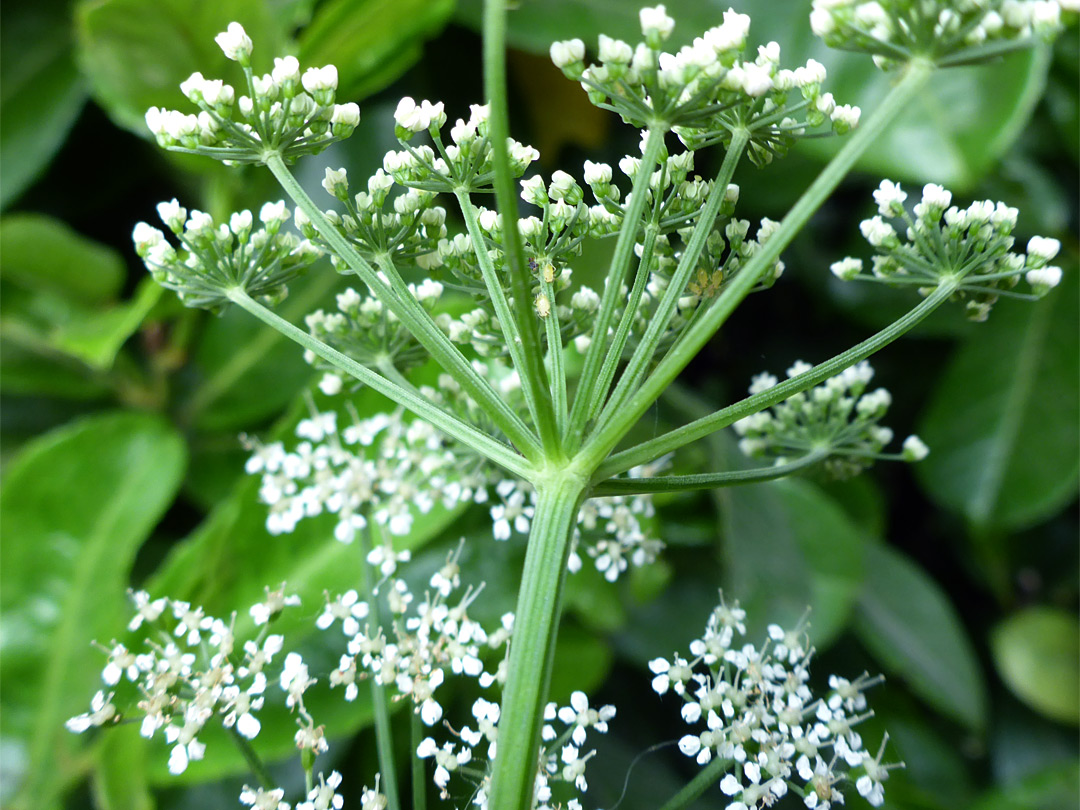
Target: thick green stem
<point>609,300</point>
<point>698,785</point>
<point>443,420</point>
<point>699,428</point>
<point>533,644</point>
<point>506,198</point>
<point>384,735</point>
<point>414,317</point>
<point>686,483</point>
<point>600,444</point>
<point>643,355</point>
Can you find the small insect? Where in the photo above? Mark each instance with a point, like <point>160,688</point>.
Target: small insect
<point>549,273</point>
<point>543,305</point>
<point>533,265</point>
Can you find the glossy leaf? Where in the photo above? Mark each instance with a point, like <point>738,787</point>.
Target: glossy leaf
<point>135,53</point>
<point>77,504</point>
<point>42,93</point>
<point>1051,789</point>
<point>905,620</point>
<point>1004,423</point>
<point>1037,651</point>
<point>372,42</point>
<point>44,254</point>
<point>120,771</point>
<point>787,547</point>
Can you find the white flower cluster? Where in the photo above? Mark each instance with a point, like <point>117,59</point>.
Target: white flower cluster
<point>463,163</point>
<point>215,258</point>
<point>615,530</point>
<point>284,113</point>
<point>195,669</point>
<point>429,637</point>
<point>944,31</point>
<point>563,757</point>
<point>707,88</point>
<point>386,468</point>
<point>838,418</point>
<point>760,713</point>
<point>323,796</point>
<point>409,228</point>
<point>971,247</point>
<point>364,329</point>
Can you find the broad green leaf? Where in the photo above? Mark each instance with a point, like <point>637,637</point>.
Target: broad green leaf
<point>1004,423</point>
<point>248,371</point>
<point>1055,788</point>
<point>44,254</point>
<point>965,121</point>
<point>787,547</point>
<point>136,52</point>
<point>42,93</point>
<point>372,42</point>
<point>120,771</point>
<point>582,662</point>
<point>77,504</point>
<point>49,324</point>
<point>905,620</point>
<point>24,371</point>
<point>1036,651</point>
<point>835,552</point>
<point>765,567</point>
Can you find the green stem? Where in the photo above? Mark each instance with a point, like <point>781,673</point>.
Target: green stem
<point>502,307</point>
<point>258,769</point>
<point>413,316</point>
<point>698,785</point>
<point>699,428</point>
<point>419,772</point>
<point>553,334</point>
<point>630,312</point>
<point>701,331</point>
<point>384,735</point>
<point>645,350</point>
<point>532,646</point>
<point>620,266</point>
<point>443,420</point>
<point>686,483</point>
<point>532,373</point>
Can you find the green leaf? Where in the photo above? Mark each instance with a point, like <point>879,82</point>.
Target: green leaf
<point>905,620</point>
<point>120,771</point>
<point>77,504</point>
<point>835,552</point>
<point>1036,651</point>
<point>788,547</point>
<point>136,52</point>
<point>1004,423</point>
<point>1051,789</point>
<point>44,254</point>
<point>42,93</point>
<point>372,42</point>
<point>249,372</point>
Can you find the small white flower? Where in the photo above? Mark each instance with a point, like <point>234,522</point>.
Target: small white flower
<point>915,449</point>
<point>235,43</point>
<point>655,22</point>
<point>568,52</point>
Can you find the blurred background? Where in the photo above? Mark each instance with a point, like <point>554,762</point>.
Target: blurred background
<point>121,411</point>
